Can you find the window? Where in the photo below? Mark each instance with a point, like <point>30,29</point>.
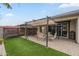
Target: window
<point>51,29</point>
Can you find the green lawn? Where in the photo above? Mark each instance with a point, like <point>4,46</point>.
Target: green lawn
<point>20,47</point>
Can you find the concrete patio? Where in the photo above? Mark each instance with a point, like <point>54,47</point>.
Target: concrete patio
<point>64,45</point>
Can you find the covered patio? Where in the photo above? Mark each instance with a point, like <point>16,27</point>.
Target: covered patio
<point>67,29</point>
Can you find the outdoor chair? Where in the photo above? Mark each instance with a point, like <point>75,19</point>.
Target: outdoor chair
<point>52,37</point>
<point>41,36</point>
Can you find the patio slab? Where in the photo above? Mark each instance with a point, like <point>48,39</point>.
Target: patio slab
<point>64,45</point>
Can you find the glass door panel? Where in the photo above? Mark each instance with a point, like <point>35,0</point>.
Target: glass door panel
<point>59,32</point>
<point>64,29</point>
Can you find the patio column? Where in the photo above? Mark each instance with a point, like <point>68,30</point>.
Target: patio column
<point>25,30</point>
<point>77,31</point>
<point>47,31</point>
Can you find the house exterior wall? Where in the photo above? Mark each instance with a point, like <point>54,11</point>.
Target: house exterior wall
<point>42,27</point>
<point>72,31</point>
<point>38,29</point>
<point>72,28</point>
<point>43,30</point>
<point>73,25</point>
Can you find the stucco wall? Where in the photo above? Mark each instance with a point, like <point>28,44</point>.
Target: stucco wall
<point>73,25</point>
<point>43,30</point>
<point>38,29</point>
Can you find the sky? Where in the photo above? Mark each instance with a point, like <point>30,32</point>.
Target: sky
<point>24,12</point>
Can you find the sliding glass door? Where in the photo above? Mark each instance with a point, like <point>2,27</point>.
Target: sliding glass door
<point>63,29</point>
<point>59,27</point>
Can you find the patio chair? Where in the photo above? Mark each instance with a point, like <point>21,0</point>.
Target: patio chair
<point>41,36</point>
<point>52,37</point>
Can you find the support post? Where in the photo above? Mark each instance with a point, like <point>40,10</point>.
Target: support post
<point>25,30</point>
<point>77,31</point>
<point>47,32</point>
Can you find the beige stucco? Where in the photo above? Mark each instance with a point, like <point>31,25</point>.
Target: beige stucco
<point>38,31</point>
<point>43,28</point>
<point>73,25</point>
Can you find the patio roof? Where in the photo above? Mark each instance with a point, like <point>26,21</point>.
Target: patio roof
<point>26,25</point>
<point>42,22</point>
